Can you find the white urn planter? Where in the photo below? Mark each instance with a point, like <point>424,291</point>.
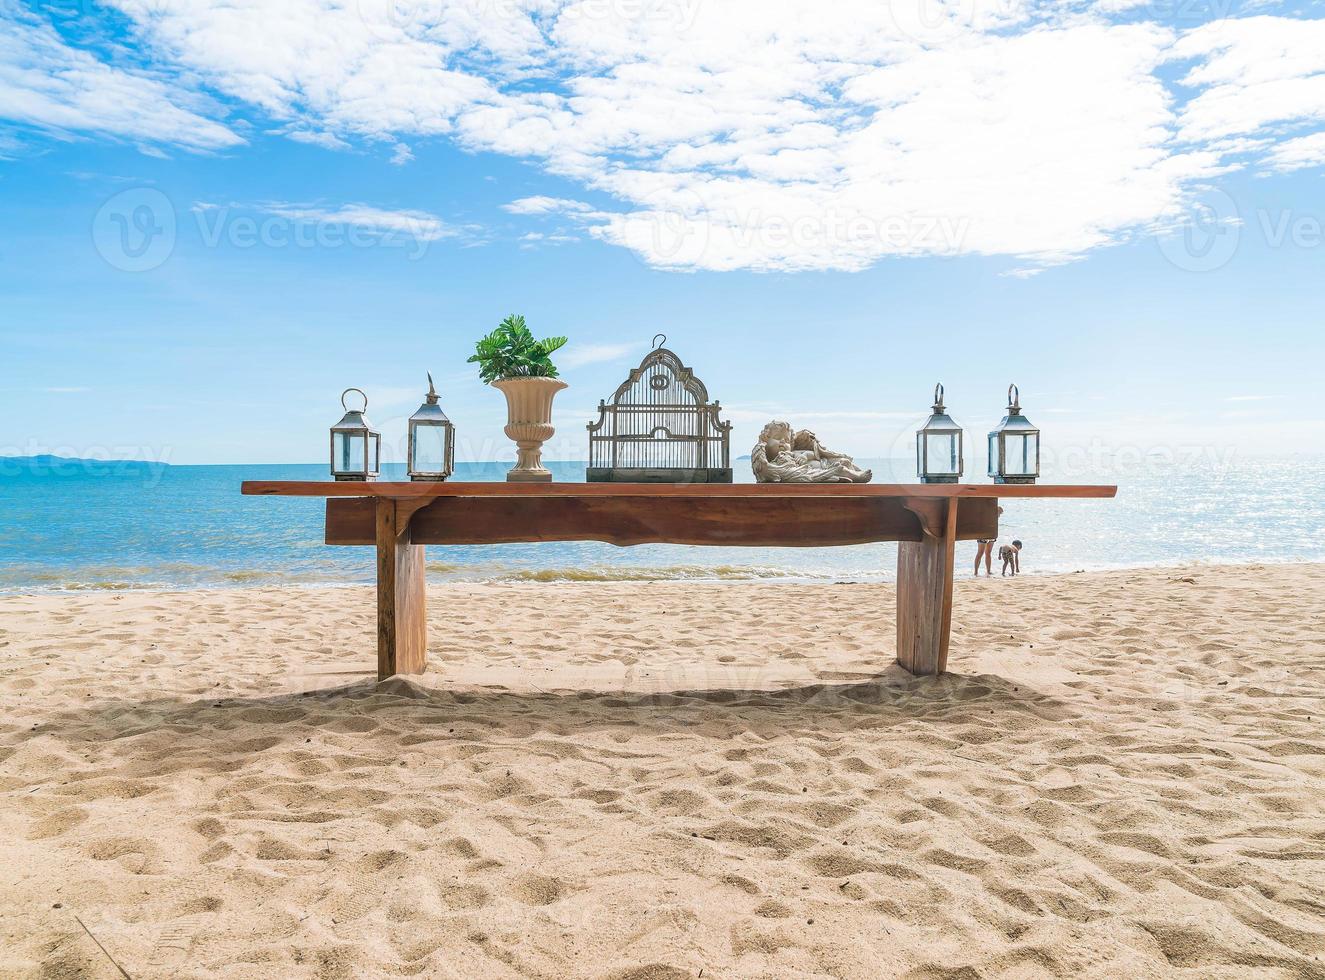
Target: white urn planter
<point>529,424</point>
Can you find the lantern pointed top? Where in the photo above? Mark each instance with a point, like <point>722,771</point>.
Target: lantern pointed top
<point>1014,400</point>
<point>938,399</point>
<point>432,392</point>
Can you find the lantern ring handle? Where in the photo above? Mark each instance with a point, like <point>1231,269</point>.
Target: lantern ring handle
<point>657,342</point>
<point>346,392</point>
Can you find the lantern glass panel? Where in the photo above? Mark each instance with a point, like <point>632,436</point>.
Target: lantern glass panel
<point>942,456</point>
<point>429,448</point>
<point>348,451</point>
<point>1020,454</point>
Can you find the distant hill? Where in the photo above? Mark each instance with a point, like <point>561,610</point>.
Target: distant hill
<point>46,459</point>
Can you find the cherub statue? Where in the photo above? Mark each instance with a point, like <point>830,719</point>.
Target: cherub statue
<point>785,456</point>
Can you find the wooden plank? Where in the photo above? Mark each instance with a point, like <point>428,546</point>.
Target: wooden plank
<point>768,522</point>
<point>950,549</point>
<point>402,491</point>
<point>402,623</point>
<point>924,598</point>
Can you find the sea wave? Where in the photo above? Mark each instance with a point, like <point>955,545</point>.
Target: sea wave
<point>164,576</point>
<point>169,579</point>
<point>640,573</point>
<point>444,567</point>
<point>109,587</point>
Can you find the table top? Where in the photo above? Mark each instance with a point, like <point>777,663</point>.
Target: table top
<point>403,491</point>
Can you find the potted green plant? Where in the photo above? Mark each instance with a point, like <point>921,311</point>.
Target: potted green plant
<point>521,368</point>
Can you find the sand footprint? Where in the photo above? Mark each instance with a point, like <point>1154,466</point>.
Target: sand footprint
<point>681,801</point>
<point>536,889</point>
<point>740,883</point>
<point>57,823</point>
<point>133,854</point>
<point>461,848</point>
<point>465,897</point>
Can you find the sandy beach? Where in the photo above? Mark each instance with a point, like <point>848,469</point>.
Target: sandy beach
<point>1124,775</point>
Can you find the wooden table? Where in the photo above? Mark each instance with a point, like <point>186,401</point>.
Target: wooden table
<point>927,520</point>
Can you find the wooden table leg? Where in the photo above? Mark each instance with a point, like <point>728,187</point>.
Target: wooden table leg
<point>402,622</point>
<point>924,589</point>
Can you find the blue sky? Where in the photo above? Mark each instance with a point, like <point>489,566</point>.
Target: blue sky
<point>211,226</point>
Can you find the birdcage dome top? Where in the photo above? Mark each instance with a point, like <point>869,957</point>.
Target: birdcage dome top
<point>661,369</point>
<point>659,425</point>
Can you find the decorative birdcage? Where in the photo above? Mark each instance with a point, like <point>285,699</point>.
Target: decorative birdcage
<point>660,427</point>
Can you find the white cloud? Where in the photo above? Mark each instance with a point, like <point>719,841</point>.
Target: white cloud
<point>1298,153</point>
<point>546,205</point>
<point>328,141</point>
<point>418,225</point>
<point>1252,74</point>
<point>787,134</point>
<point>579,355</point>
<point>47,84</point>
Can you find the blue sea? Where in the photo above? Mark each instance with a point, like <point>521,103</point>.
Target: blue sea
<point>83,525</point>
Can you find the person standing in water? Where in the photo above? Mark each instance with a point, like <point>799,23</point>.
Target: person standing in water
<point>984,548</point>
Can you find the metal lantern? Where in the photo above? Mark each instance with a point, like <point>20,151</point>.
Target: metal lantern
<point>431,440</point>
<point>356,447</point>
<point>1014,447</point>
<point>939,456</point>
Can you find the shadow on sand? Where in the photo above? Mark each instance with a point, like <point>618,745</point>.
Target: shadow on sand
<point>409,712</point>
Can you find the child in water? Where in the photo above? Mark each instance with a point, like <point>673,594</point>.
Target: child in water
<point>1010,556</point>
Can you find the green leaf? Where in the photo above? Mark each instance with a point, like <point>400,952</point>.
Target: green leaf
<point>511,351</point>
